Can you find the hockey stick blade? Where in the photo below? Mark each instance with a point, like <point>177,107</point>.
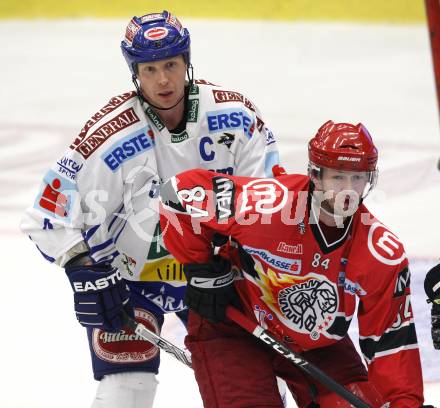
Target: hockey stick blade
<point>157,340</point>
<point>256,330</point>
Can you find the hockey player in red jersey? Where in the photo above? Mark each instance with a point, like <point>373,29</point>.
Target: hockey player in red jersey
<point>309,249</point>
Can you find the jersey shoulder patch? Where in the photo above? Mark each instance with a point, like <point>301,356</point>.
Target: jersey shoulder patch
<point>105,123</point>
<point>383,245</point>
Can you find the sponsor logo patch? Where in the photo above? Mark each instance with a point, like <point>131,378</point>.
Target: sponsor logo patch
<point>177,138</point>
<point>127,148</point>
<point>221,96</point>
<point>219,121</point>
<point>108,129</point>
<point>131,31</point>
<point>224,193</point>
<point>193,110</point>
<point>194,90</point>
<point>290,249</point>
<point>270,138</point>
<point>56,196</point>
<point>353,288</point>
<point>69,167</point>
<point>162,297</point>
<point>129,264</point>
<point>173,21</point>
<point>292,266</point>
<point>384,245</point>
<point>155,119</point>
<point>264,196</point>
<point>151,17</point>
<point>125,346</point>
<point>163,270</point>
<point>110,107</point>
<point>402,282</point>
<point>157,247</point>
<point>226,139</point>
<point>156,33</point>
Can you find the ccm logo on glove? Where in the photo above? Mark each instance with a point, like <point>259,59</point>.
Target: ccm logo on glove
<point>98,284</point>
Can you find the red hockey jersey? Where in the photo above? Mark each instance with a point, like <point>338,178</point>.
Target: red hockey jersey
<point>296,283</point>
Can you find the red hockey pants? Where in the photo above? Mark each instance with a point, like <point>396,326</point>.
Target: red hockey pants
<point>235,370</point>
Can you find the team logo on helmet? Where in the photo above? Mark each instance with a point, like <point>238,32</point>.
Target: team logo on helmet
<point>165,35</point>
<point>156,33</point>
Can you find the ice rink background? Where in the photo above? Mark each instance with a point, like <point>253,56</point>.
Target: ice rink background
<point>55,75</point>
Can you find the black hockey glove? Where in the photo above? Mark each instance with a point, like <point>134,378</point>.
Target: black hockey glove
<point>210,288</point>
<point>100,295</point>
<point>432,289</point>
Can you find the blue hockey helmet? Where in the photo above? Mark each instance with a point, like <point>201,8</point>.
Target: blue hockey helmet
<point>154,37</point>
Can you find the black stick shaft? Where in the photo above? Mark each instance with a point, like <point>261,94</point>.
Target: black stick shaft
<point>295,358</point>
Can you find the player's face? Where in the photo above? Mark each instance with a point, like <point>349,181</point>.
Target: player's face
<point>163,82</point>
<point>346,189</point>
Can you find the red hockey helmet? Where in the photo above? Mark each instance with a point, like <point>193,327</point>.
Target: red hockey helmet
<point>343,146</point>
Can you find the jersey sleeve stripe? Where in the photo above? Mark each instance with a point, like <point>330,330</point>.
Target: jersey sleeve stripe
<point>47,257</point>
<point>88,234</point>
<point>116,216</point>
<point>99,247</point>
<point>393,351</point>
<point>389,343</point>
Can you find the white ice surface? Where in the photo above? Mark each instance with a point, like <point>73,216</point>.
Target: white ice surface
<point>54,75</point>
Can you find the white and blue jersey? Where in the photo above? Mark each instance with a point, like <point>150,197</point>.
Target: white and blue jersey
<point>102,194</point>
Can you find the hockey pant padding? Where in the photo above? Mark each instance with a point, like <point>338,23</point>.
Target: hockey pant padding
<point>235,370</point>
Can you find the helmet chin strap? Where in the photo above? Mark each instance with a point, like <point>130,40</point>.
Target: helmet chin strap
<point>190,73</point>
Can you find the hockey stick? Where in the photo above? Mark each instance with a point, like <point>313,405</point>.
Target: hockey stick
<point>157,340</point>
<point>256,330</point>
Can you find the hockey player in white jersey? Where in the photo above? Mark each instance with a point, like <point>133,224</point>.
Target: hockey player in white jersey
<point>96,214</point>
